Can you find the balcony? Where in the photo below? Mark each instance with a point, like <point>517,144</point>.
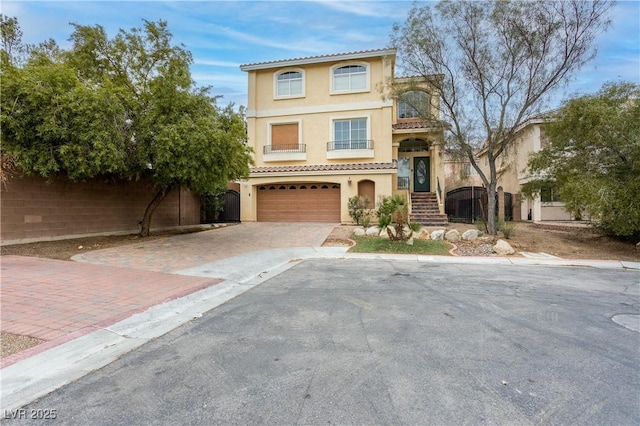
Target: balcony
<point>284,152</point>
<point>337,150</point>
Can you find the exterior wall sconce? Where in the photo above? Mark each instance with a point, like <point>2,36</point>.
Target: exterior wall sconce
<point>349,181</point>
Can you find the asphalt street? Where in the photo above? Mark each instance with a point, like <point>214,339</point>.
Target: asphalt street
<point>382,342</point>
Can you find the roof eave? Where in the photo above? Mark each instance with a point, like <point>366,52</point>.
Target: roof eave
<point>319,59</point>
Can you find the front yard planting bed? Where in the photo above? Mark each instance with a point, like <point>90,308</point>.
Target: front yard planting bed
<point>383,245</point>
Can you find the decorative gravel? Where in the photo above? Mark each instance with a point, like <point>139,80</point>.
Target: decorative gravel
<point>13,343</point>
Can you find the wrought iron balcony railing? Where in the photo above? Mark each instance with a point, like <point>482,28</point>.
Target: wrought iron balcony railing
<point>403,182</point>
<point>350,144</point>
<point>284,148</point>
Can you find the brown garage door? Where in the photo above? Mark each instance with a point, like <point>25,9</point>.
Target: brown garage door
<point>299,202</point>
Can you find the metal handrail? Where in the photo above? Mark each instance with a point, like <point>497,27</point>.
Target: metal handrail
<point>403,182</point>
<point>350,144</point>
<point>283,148</point>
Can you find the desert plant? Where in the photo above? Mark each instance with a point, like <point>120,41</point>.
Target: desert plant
<point>506,227</point>
<point>359,211</point>
<point>393,211</point>
<point>414,226</point>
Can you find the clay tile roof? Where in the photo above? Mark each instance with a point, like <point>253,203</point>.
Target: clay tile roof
<point>410,125</point>
<point>324,167</point>
<point>317,59</point>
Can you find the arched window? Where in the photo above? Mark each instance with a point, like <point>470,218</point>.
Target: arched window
<point>289,83</point>
<point>413,104</point>
<point>350,78</point>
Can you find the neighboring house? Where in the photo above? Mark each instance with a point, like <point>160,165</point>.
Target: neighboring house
<point>513,173</point>
<point>326,128</point>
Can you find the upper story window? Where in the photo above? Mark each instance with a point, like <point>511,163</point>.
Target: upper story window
<point>289,84</point>
<point>350,134</point>
<point>413,104</point>
<point>350,78</point>
<point>469,170</point>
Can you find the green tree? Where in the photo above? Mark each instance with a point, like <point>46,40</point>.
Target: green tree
<point>11,37</point>
<point>494,64</point>
<point>593,158</point>
<point>124,107</point>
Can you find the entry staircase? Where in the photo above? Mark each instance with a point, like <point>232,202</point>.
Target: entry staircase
<point>425,211</point>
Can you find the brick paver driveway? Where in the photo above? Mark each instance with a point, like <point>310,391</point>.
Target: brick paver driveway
<point>57,301</point>
<point>188,250</point>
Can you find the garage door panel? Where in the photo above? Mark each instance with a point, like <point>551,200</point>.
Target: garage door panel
<point>299,203</point>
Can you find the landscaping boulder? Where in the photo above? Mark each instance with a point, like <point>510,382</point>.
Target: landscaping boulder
<point>410,241</point>
<point>471,235</point>
<point>437,235</point>
<point>453,236</point>
<point>503,248</point>
<point>423,234</point>
<point>373,231</point>
<point>359,232</point>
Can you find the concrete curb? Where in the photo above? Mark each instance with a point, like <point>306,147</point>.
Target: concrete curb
<point>36,376</point>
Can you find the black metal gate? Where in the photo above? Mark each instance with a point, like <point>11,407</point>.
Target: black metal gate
<point>231,212</point>
<point>465,204</point>
<point>508,206</point>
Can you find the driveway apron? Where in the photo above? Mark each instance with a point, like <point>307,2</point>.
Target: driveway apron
<point>58,301</point>
<point>190,250</point>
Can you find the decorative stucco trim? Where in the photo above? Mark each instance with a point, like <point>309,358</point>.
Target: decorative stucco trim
<point>319,109</point>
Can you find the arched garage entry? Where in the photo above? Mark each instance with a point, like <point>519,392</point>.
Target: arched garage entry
<point>299,202</point>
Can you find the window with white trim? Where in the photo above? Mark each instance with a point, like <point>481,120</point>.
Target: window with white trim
<point>289,83</point>
<point>350,134</point>
<point>350,78</point>
<point>413,104</point>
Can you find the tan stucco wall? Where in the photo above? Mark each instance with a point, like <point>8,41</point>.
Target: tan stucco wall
<point>513,166</point>
<point>316,131</point>
<point>316,110</point>
<point>248,199</point>
<point>315,113</point>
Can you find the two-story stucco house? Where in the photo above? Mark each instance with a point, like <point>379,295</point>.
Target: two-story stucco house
<point>326,128</point>
<point>513,173</point>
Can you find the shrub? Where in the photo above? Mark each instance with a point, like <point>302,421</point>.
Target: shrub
<point>212,204</point>
<point>506,227</point>
<point>359,209</point>
<point>393,210</point>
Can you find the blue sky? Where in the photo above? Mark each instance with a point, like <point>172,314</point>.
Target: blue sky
<point>224,34</point>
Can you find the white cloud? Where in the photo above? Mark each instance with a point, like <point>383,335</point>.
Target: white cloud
<point>363,8</point>
<point>309,45</point>
<point>237,80</point>
<point>215,63</point>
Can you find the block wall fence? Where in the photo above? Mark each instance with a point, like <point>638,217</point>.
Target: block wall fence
<point>37,209</point>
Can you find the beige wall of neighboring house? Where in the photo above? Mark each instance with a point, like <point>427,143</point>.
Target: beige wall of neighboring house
<point>513,173</point>
<point>324,129</point>
<point>459,173</point>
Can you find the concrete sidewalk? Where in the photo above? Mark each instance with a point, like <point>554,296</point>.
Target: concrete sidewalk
<point>161,302</point>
